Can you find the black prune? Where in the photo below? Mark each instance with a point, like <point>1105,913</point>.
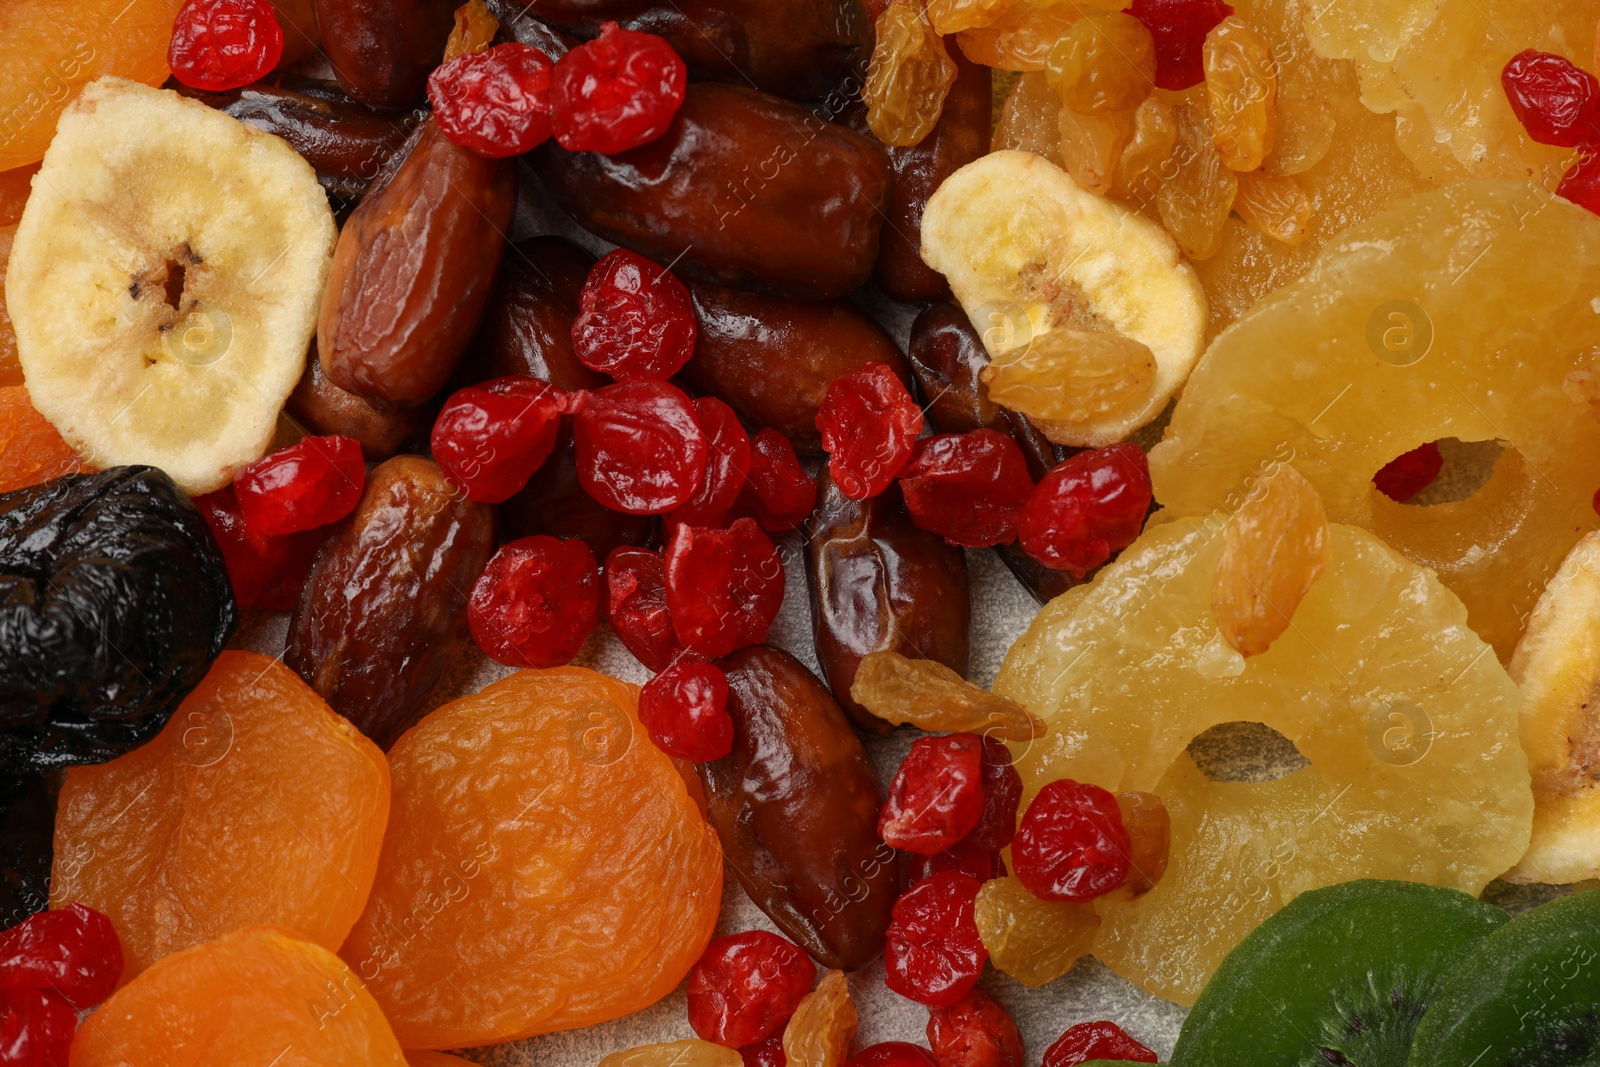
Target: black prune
<point>27,847</point>
<point>113,602</point>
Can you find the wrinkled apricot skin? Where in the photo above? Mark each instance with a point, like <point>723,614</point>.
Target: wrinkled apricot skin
<point>427,1058</point>
<point>382,50</point>
<point>545,867</point>
<point>31,451</point>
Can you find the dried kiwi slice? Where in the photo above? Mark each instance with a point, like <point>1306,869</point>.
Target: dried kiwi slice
<point>1528,995</point>
<point>1340,976</point>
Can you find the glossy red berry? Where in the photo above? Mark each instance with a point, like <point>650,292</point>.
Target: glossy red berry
<point>265,571</point>
<point>616,92</point>
<point>1405,476</point>
<point>1072,844</point>
<point>1581,183</point>
<point>746,986</point>
<point>301,487</point>
<point>892,1054</point>
<point>768,1053</point>
<point>868,422</point>
<point>1002,795</point>
<point>36,1028</point>
<point>1556,102</point>
<point>975,1031</point>
<point>968,488</point>
<point>72,952</point>
<point>1086,508</point>
<point>936,797</point>
<point>1095,1041</point>
<point>536,602</point>
<point>777,492</point>
<point>495,102</point>
<point>490,438</point>
<point>963,857</point>
<point>636,606</point>
<point>1178,31</point>
<point>724,587</point>
<point>728,464</point>
<point>933,954</point>
<point>684,709</point>
<point>639,448</point>
<point>223,44</point>
<point>635,319</point>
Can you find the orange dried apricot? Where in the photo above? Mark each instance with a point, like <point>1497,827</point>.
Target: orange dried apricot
<point>429,1058</point>
<point>256,804</point>
<point>10,365</point>
<point>545,867</point>
<point>31,451</point>
<point>15,185</point>
<point>263,994</point>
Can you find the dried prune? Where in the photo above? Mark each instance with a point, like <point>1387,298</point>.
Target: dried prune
<point>114,600</point>
<point>382,50</point>
<point>27,824</point>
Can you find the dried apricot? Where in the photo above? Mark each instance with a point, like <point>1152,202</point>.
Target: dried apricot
<point>1034,941</point>
<point>910,75</point>
<point>260,994</point>
<point>31,451</point>
<point>255,804</point>
<point>545,867</point>
<point>15,185</point>
<point>933,697</point>
<point>819,1032</point>
<point>1242,88</point>
<point>427,1058</point>
<point>1274,547</point>
<point>10,365</point>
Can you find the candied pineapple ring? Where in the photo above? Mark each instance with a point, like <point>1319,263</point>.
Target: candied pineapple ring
<point>1460,313</point>
<point>1410,727</point>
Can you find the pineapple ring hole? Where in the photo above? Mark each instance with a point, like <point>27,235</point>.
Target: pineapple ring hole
<point>1245,752</point>
<point>1468,465</point>
<point>1478,510</point>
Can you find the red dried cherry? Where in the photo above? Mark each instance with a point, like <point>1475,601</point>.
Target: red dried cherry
<point>73,952</point>
<point>636,605</point>
<point>495,102</point>
<point>968,488</point>
<point>616,92</point>
<point>1556,102</point>
<point>892,1054</point>
<point>745,987</point>
<point>975,1031</point>
<point>639,448</point>
<point>490,438</point>
<point>936,797</point>
<point>1072,844</point>
<point>768,1053</point>
<point>224,44</point>
<point>265,572</point>
<point>728,449</point>
<point>1178,31</point>
<point>1405,476</point>
<point>684,709</point>
<point>1095,1041</point>
<point>536,602</point>
<point>868,422</point>
<point>963,857</point>
<point>777,491</point>
<point>36,1028</point>
<point>724,587</point>
<point>635,319</point>
<point>1086,508</point>
<point>934,955</point>
<point>1581,182</point>
<point>301,487</point>
<point>1002,795</point>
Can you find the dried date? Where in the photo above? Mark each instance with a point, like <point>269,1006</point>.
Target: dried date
<point>382,50</point>
<point>555,504</point>
<point>527,326</point>
<point>323,408</point>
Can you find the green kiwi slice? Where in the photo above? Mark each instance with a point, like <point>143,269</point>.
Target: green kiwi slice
<point>1528,995</point>
<point>1338,978</point>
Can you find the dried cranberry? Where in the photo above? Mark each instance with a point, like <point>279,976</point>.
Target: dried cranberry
<point>975,1031</point>
<point>36,1028</point>
<point>1405,476</point>
<point>495,102</point>
<point>968,488</point>
<point>301,487</point>
<point>265,572</point>
<point>638,446</point>
<point>1002,794</point>
<point>868,423</point>
<point>1581,182</point>
<point>1095,1041</point>
<point>616,92</point>
<point>636,605</point>
<point>684,709</point>
<point>729,462</point>
<point>777,491</point>
<point>73,952</point>
<point>223,44</point>
<point>490,438</point>
<point>768,1053</point>
<point>892,1054</point>
<point>635,319</point>
<point>724,587</point>
<point>1178,30</point>
<point>934,954</point>
<point>746,986</point>
<point>1556,102</point>
<point>936,797</point>
<point>1071,844</point>
<point>963,857</point>
<point>1086,508</point>
<point>536,602</point>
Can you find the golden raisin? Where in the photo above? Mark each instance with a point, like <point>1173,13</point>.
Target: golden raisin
<point>953,16</point>
<point>690,1052</point>
<point>1150,835</point>
<point>910,76</point>
<point>1072,377</point>
<point>1030,121</point>
<point>1242,86</point>
<point>1105,62</point>
<point>473,32</point>
<point>1021,38</point>
<point>933,697</point>
<point>1197,195</point>
<point>1034,941</point>
<point>1274,204</point>
<point>1091,145</point>
<point>819,1032</point>
<point>1274,548</point>
<point>1303,129</point>
<point>1140,169</point>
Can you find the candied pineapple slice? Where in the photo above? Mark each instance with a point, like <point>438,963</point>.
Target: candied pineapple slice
<point>1275,546</point>
<point>933,697</point>
<point>1410,727</point>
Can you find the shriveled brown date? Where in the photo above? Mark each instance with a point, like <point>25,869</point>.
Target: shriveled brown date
<point>384,611</point>
<point>320,407</point>
<point>527,326</point>
<point>878,583</point>
<point>749,190</point>
<point>771,359</point>
<point>553,503</point>
<point>520,26</point>
<point>382,50</point>
<point>796,807</point>
<point>412,270</point>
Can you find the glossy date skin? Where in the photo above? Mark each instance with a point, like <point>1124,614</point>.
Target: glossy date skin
<point>527,325</point>
<point>749,190</point>
<point>382,50</point>
<point>771,359</point>
<point>878,583</point>
<point>320,407</point>
<point>796,807</point>
<point>384,611</point>
<point>412,271</point>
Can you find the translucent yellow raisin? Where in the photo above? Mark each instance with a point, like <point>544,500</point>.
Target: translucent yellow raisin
<point>933,697</point>
<point>909,77</point>
<point>1198,190</point>
<point>691,1052</point>
<point>1030,119</point>
<point>818,1034</point>
<point>1105,62</point>
<point>1275,546</point>
<point>1303,128</point>
<point>1091,145</point>
<point>1150,836</point>
<point>1139,171</point>
<point>1242,85</point>
<point>1021,38</point>
<point>473,32</point>
<point>1070,377</point>
<point>953,16</point>
<point>1034,941</point>
<point>1275,204</point>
